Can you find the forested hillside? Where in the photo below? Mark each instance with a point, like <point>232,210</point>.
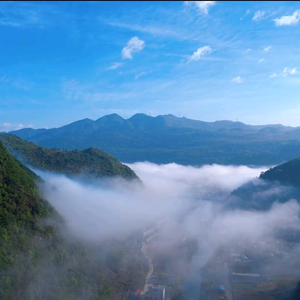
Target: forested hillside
<point>38,261</point>
<point>89,162</point>
<point>287,173</point>
<point>278,184</point>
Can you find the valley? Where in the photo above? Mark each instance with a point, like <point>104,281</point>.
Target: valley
<point>170,259</point>
<point>149,150</point>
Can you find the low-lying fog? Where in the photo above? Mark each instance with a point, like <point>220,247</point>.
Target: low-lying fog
<point>190,201</point>
<point>104,208</point>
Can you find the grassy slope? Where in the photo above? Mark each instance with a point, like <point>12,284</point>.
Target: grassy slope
<point>91,161</point>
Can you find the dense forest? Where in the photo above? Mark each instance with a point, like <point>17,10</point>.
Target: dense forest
<point>90,162</point>
<point>40,260</point>
<point>286,173</point>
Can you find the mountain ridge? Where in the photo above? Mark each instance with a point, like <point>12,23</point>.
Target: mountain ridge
<point>139,115</point>
<point>91,162</point>
<point>167,139</point>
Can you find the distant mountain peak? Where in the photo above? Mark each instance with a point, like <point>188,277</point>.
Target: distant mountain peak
<point>111,117</point>
<point>139,116</point>
<point>168,116</point>
<point>167,138</point>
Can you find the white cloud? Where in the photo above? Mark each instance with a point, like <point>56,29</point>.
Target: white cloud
<point>203,6</point>
<point>288,20</point>
<point>114,66</point>
<point>293,71</point>
<point>133,45</point>
<point>258,15</point>
<point>10,127</point>
<point>237,79</point>
<point>248,11</point>
<point>288,71</point>
<point>261,60</point>
<point>267,49</point>
<point>137,76</point>
<point>199,53</point>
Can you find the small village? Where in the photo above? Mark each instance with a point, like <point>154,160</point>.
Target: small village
<point>249,271</point>
<point>241,272</point>
<point>158,285</point>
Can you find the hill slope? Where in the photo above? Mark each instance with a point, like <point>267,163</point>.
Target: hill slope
<point>89,162</point>
<point>38,262</point>
<point>287,173</point>
<point>278,184</point>
<point>166,139</point>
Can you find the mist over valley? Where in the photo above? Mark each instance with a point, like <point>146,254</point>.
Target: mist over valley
<point>149,150</point>
<point>191,219</point>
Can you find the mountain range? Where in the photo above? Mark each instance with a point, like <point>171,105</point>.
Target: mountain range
<point>167,139</point>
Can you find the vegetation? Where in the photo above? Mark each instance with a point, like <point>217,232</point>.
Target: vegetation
<point>89,162</point>
<point>38,262</point>
<point>287,173</point>
<point>281,184</point>
<point>167,139</point>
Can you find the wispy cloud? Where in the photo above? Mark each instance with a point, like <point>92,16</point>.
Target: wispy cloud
<point>24,15</point>
<point>261,60</point>
<point>237,79</point>
<point>199,53</point>
<point>133,45</point>
<point>92,93</point>
<point>288,20</point>
<point>137,76</point>
<point>203,6</point>
<point>267,49</point>
<point>155,30</point>
<point>258,15</point>
<point>4,79</point>
<point>114,66</point>
<point>10,127</point>
<point>286,72</point>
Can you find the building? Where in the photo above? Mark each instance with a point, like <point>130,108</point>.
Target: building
<point>157,292</point>
<point>138,293</point>
<point>221,289</point>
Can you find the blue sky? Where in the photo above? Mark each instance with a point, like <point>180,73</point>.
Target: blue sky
<point>205,60</point>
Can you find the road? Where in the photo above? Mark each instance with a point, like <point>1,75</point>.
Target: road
<point>228,289</point>
<point>151,268</point>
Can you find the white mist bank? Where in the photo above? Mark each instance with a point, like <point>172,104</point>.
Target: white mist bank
<point>98,211</point>
<point>208,176</point>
